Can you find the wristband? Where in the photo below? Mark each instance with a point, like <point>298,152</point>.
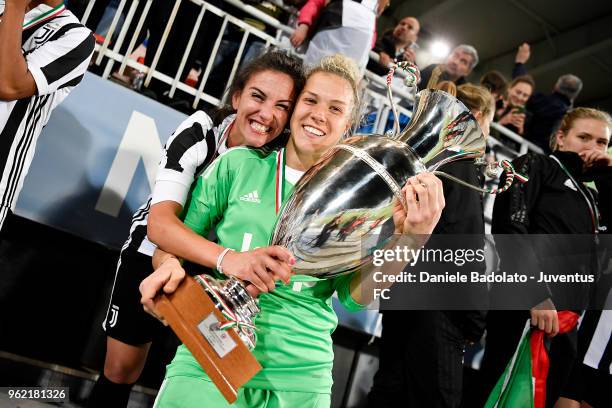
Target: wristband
<point>220,259</point>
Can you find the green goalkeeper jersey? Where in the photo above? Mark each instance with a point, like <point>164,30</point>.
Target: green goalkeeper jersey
<point>237,196</point>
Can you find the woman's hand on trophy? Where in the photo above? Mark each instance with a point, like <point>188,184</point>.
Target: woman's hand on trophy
<point>425,202</point>
<point>260,267</point>
<point>166,277</point>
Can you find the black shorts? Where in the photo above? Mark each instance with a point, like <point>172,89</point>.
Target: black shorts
<point>126,320</point>
<point>589,385</point>
<point>597,385</point>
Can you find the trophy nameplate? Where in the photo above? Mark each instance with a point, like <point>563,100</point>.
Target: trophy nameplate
<point>222,354</point>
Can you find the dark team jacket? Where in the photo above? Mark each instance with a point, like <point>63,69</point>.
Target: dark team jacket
<point>464,214</point>
<point>550,206</point>
<point>387,45</point>
<point>461,226</point>
<point>426,76</point>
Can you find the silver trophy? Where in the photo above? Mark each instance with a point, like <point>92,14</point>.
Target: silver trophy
<point>341,210</point>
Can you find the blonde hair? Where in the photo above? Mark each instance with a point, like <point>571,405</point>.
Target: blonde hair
<point>346,68</point>
<point>476,98</point>
<point>447,86</point>
<point>579,113</point>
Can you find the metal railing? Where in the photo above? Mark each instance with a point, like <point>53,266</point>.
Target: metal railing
<point>525,145</point>
<point>377,104</point>
<point>114,56</point>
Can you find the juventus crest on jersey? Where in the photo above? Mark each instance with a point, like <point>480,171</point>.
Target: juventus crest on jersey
<point>57,49</point>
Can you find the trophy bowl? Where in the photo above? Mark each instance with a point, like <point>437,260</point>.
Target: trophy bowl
<point>340,200</point>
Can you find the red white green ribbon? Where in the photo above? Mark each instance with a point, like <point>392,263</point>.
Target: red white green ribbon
<point>414,76</point>
<point>232,319</point>
<point>223,138</point>
<point>511,175</point>
<point>57,10</point>
<point>280,179</point>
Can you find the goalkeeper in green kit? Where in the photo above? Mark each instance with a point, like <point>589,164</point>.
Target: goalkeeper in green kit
<point>239,196</point>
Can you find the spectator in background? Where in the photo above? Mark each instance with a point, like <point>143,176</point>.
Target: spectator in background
<point>547,110</point>
<point>397,44</point>
<point>336,26</point>
<point>458,65</point>
<point>497,84</point>
<point>513,113</point>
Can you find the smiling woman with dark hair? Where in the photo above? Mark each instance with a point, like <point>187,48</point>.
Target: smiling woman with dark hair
<point>262,97</point>
<point>513,115</point>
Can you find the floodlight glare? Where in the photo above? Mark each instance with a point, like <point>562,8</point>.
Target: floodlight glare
<point>439,49</point>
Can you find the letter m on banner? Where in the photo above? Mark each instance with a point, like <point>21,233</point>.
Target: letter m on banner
<point>139,142</point>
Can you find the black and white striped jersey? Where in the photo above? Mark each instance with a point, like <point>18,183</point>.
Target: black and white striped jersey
<point>190,149</point>
<point>597,326</point>
<point>57,49</point>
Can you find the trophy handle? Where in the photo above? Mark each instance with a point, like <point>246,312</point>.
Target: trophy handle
<point>511,175</point>
<point>411,81</point>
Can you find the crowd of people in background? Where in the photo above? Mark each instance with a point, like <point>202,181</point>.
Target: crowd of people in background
<point>326,27</point>
<point>418,370</point>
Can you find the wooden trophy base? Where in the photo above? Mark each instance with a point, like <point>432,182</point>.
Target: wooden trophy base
<point>221,353</point>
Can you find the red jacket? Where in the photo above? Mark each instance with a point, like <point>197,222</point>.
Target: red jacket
<point>311,11</point>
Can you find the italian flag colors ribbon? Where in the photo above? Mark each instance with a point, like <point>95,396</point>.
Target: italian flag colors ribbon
<point>46,16</point>
<point>523,383</point>
<point>280,179</point>
<point>511,176</point>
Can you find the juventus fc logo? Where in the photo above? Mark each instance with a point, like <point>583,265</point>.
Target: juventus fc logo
<point>114,313</point>
<point>46,32</point>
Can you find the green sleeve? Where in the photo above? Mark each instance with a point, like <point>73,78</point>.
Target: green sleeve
<point>342,284</point>
<point>209,198</point>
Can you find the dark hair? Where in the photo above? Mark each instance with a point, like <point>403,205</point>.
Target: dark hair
<point>271,60</point>
<point>526,79</point>
<point>494,81</point>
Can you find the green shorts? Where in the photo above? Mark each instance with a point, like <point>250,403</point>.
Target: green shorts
<point>193,392</point>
